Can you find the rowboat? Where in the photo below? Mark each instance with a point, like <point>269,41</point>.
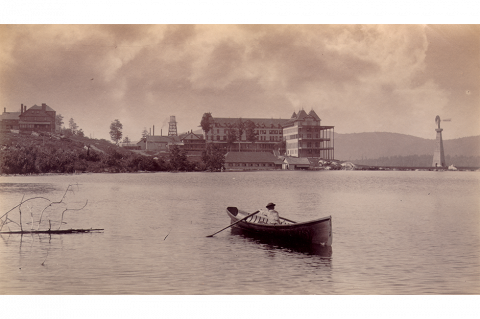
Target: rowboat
<point>318,231</point>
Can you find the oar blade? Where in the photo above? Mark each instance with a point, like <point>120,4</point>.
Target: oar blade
<point>234,223</point>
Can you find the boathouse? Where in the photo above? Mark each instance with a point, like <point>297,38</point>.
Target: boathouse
<point>292,163</point>
<point>251,161</point>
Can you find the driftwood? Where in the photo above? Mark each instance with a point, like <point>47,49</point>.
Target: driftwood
<point>54,231</point>
<point>38,231</point>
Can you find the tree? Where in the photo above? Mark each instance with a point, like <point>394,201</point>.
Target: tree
<point>72,126</point>
<point>58,122</point>
<point>231,137</point>
<point>126,140</point>
<point>207,120</point>
<point>178,159</point>
<point>80,133</point>
<point>213,157</point>
<point>116,131</point>
<point>240,129</point>
<point>250,131</point>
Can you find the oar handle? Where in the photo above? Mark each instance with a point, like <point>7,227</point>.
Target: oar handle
<point>234,223</point>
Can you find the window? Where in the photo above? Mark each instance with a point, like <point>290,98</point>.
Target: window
<point>218,138</point>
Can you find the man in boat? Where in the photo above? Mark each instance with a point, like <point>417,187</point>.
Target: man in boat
<point>272,214</point>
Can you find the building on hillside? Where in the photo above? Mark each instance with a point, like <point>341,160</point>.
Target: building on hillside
<point>130,146</point>
<point>251,161</point>
<point>10,120</point>
<point>292,163</point>
<point>159,143</point>
<point>305,136</point>
<point>37,119</point>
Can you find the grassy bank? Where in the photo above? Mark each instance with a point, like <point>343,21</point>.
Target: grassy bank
<point>27,154</point>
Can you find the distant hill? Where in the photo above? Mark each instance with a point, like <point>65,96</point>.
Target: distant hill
<point>355,146</point>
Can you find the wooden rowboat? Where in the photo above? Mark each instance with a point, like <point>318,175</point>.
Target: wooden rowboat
<point>318,231</point>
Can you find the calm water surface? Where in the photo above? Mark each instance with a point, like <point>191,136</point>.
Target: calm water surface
<point>393,233</point>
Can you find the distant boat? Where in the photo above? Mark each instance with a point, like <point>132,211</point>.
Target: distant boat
<point>318,231</point>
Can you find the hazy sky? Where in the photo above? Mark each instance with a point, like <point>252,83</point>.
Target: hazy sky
<point>359,78</point>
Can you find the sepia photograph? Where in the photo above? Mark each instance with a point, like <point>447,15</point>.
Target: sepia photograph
<point>187,160</point>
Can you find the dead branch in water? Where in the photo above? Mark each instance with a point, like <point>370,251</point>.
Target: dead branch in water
<point>54,231</point>
<point>61,221</point>
<point>38,231</point>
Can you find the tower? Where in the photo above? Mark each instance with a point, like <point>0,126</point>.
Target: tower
<point>438,155</point>
<point>172,126</point>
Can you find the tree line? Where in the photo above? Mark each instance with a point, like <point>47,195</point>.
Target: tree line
<point>32,157</point>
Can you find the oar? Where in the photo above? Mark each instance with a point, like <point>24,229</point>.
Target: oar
<point>288,220</point>
<point>234,223</point>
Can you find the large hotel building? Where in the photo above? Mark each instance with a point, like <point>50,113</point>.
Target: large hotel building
<point>303,134</point>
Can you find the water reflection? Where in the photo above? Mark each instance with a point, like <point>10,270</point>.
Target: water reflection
<point>278,243</point>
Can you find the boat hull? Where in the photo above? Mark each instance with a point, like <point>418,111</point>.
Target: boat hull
<point>317,231</point>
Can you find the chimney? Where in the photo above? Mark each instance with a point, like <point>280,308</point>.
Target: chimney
<point>154,130</point>
<point>160,132</point>
<point>21,108</point>
<point>44,107</point>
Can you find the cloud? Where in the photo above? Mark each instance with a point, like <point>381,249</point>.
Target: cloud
<point>358,78</point>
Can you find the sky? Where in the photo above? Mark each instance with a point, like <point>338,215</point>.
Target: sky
<point>358,78</point>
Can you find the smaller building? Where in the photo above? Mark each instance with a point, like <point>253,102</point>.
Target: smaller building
<point>292,163</point>
<point>193,142</point>
<point>9,120</point>
<point>159,143</point>
<point>251,161</point>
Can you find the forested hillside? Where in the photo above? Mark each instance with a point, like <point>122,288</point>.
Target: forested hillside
<point>393,149</point>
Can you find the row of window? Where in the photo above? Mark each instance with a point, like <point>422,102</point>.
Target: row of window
<point>225,131</point>
<point>250,164</point>
<point>36,118</point>
<point>34,126</point>
<point>260,125</point>
<point>260,138</point>
<point>306,145</point>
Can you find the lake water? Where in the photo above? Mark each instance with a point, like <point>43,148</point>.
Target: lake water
<point>393,233</point>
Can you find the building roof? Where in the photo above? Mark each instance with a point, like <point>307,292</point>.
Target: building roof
<point>301,116</point>
<point>297,160</point>
<point>10,116</point>
<point>191,136</point>
<point>250,157</point>
<point>37,107</point>
<point>260,123</point>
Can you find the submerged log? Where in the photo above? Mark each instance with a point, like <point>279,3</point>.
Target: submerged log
<point>53,231</point>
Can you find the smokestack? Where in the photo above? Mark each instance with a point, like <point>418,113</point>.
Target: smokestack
<point>160,132</point>
<point>21,108</point>
<point>154,130</point>
<point>4,110</point>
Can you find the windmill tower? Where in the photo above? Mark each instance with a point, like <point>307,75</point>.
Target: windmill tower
<point>438,155</point>
<point>172,126</point>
